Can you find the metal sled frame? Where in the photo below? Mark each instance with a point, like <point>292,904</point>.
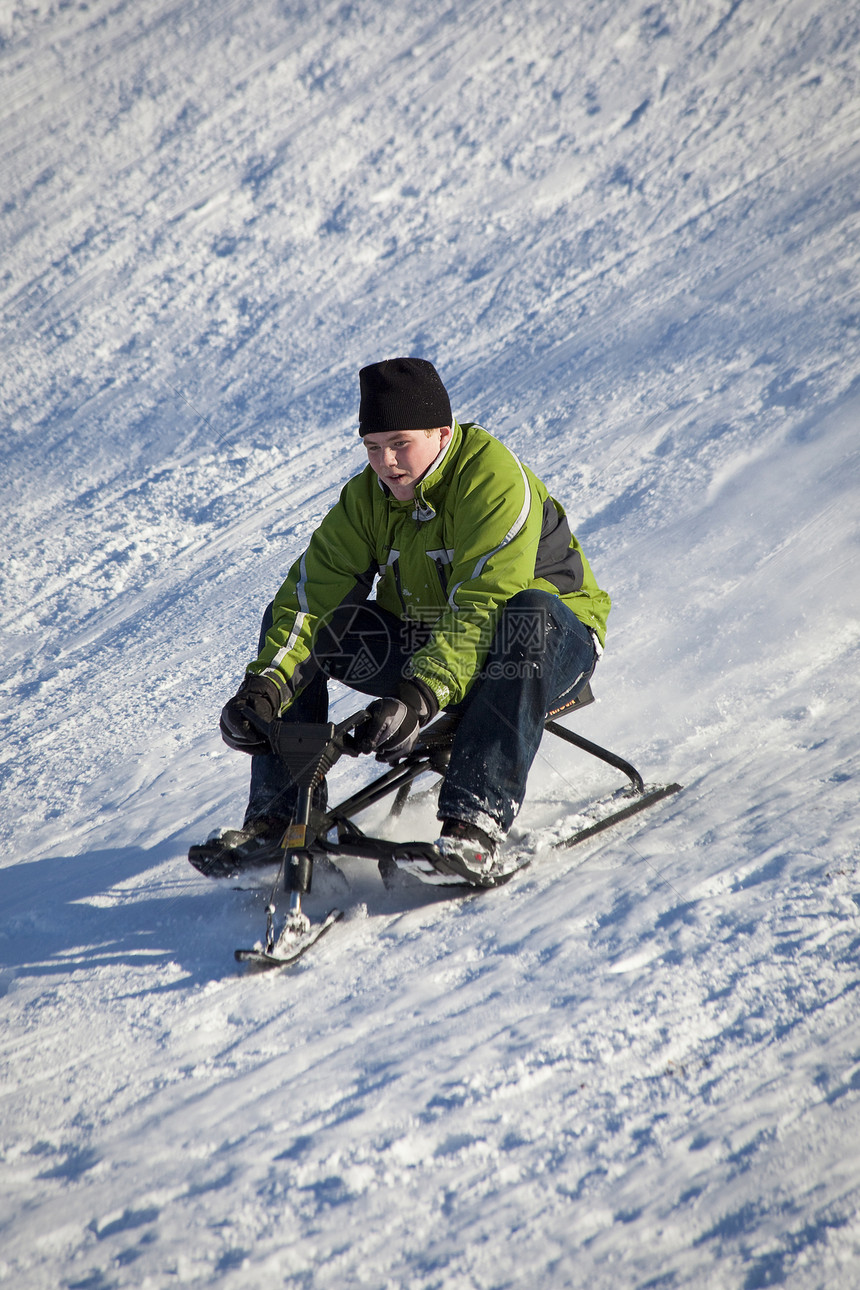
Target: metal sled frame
<point>310,750</point>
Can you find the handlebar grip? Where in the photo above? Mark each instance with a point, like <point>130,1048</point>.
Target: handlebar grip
<point>344,740</point>
<point>254,719</point>
<point>351,722</point>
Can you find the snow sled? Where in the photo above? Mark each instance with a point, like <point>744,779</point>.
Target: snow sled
<point>309,750</point>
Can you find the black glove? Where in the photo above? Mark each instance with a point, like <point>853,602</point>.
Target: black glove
<point>262,696</point>
<point>392,724</point>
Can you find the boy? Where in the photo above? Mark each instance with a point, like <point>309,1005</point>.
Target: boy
<point>485,606</point>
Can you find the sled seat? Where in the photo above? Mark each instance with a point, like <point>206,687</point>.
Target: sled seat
<point>580,700</point>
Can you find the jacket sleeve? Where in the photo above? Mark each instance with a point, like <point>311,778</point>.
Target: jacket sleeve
<point>496,525</point>
<point>338,566</point>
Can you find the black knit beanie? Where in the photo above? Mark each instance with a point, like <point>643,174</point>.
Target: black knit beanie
<point>402,394</point>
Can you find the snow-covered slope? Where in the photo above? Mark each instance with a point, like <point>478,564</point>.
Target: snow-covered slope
<point>627,235</point>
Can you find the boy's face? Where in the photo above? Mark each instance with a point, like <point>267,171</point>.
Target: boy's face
<point>401,457</point>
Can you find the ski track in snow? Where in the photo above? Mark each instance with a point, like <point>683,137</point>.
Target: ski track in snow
<point>627,236</point>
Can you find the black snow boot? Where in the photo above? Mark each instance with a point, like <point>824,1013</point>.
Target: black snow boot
<point>229,851</point>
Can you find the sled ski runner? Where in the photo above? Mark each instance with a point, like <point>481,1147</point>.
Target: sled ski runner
<point>651,794</point>
<point>293,942</point>
<point>310,750</point>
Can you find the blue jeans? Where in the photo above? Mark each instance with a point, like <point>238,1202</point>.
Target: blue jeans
<point>540,653</point>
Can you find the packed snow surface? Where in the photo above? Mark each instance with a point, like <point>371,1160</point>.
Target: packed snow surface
<point>627,234</point>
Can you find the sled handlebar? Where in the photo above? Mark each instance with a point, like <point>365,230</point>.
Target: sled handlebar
<point>341,736</point>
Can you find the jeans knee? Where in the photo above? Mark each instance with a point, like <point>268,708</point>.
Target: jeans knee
<point>521,632</point>
<point>530,598</point>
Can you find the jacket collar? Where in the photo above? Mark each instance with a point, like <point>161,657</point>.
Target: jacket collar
<point>430,491</point>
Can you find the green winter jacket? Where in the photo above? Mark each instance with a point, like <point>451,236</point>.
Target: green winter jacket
<point>480,528</point>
